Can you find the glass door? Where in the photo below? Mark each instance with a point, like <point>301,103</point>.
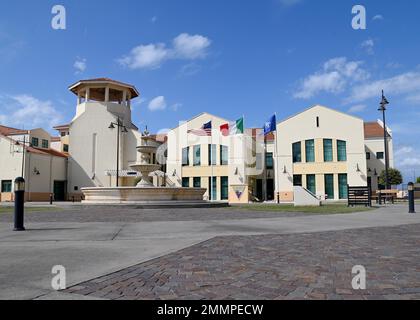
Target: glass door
<point>311,183</point>
<point>329,185</point>
<point>342,186</point>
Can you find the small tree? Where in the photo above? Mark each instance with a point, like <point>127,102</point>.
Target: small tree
<point>394,177</point>
<point>418,180</point>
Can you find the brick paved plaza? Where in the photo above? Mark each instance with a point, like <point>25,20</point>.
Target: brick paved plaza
<point>298,266</point>
<point>221,253</point>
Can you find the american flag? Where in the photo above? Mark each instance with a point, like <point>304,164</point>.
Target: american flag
<point>204,131</point>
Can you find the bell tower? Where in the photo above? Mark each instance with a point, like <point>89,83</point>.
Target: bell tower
<point>98,155</point>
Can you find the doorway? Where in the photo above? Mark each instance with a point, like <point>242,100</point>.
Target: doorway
<point>60,190</point>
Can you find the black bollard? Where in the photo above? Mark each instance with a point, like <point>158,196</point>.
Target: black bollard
<point>19,204</point>
<point>51,199</point>
<point>411,207</point>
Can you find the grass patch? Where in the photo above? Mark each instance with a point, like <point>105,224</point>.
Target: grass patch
<point>29,209</point>
<point>325,209</point>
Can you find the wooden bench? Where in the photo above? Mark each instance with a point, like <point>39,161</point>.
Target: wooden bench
<point>385,195</point>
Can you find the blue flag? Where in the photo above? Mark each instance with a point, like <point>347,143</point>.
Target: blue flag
<point>270,126</point>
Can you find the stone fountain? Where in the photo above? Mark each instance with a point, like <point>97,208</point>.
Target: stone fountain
<point>146,167</point>
<point>145,193</point>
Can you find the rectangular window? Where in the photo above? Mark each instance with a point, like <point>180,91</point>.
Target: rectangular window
<point>212,154</point>
<point>66,148</point>
<point>367,155</point>
<point>310,150</point>
<point>297,152</point>
<point>269,162</point>
<point>197,156</point>
<point>186,157</point>
<point>45,144</point>
<point>341,150</point>
<point>6,186</point>
<point>380,155</point>
<point>311,183</point>
<point>185,182</point>
<point>297,180</point>
<point>329,185</point>
<point>328,150</point>
<point>342,186</point>
<point>224,155</point>
<point>35,142</point>
<point>197,182</point>
<point>212,188</point>
<point>224,188</point>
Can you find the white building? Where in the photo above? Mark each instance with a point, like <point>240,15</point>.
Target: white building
<point>28,153</point>
<point>92,143</point>
<point>320,149</point>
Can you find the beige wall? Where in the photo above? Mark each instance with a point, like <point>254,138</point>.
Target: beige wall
<point>373,146</point>
<point>93,145</point>
<point>333,125</point>
<point>50,168</point>
<point>179,138</point>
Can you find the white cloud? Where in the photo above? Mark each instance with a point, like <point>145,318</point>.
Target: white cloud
<point>336,74</point>
<point>378,17</point>
<point>413,99</point>
<point>405,83</point>
<point>80,65</point>
<point>145,56</point>
<point>152,56</point>
<point>410,162</point>
<point>30,112</point>
<point>157,104</point>
<point>406,157</point>
<point>357,108</point>
<point>368,46</point>
<point>176,106</point>
<point>191,47</point>
<point>154,19</point>
<point>403,151</point>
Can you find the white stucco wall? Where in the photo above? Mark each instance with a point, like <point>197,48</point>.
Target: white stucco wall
<point>93,145</point>
<point>332,125</point>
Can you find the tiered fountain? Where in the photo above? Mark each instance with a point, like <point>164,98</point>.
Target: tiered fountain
<point>145,193</point>
<point>146,167</point>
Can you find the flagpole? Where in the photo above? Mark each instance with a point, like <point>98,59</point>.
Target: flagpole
<point>277,175</point>
<point>211,161</point>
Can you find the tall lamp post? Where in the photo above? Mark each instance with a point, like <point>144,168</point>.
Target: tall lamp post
<point>383,104</point>
<point>24,144</point>
<point>120,128</point>
<point>19,189</point>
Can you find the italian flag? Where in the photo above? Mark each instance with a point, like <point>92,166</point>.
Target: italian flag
<point>233,128</point>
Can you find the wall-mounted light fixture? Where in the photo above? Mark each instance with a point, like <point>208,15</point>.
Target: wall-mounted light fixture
<point>174,174</point>
<point>376,173</point>
<point>369,170</point>
<point>284,170</point>
<point>236,171</point>
<point>357,168</point>
<point>36,172</point>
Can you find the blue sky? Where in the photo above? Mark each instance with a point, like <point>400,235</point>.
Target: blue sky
<point>225,57</point>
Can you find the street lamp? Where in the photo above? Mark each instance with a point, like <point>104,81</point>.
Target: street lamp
<point>120,128</point>
<point>24,144</point>
<point>383,104</point>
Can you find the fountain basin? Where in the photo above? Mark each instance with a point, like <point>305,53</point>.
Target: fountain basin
<point>135,195</point>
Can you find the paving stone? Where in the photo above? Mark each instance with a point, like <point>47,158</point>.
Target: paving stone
<point>297,266</point>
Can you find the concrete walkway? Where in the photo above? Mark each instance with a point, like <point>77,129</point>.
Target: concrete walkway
<point>89,250</point>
